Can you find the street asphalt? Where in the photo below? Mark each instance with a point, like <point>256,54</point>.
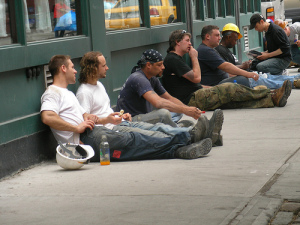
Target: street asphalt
<point>253,179</point>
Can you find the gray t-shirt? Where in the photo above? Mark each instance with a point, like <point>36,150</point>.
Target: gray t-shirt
<point>295,29</point>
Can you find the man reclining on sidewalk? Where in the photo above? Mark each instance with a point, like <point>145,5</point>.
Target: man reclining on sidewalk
<point>93,67</point>
<point>70,123</point>
<point>182,83</point>
<point>142,91</point>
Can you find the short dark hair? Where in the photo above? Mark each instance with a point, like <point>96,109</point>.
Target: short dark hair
<point>56,62</point>
<point>89,66</point>
<point>176,36</point>
<point>208,30</point>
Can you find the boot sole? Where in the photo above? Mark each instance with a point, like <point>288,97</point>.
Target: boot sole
<point>218,123</point>
<point>198,149</point>
<point>287,92</point>
<point>195,150</point>
<point>201,129</point>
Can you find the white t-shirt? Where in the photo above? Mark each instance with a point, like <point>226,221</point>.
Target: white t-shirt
<point>65,104</point>
<point>94,99</point>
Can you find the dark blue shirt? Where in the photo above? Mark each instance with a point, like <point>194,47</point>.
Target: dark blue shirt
<point>209,60</point>
<point>131,98</point>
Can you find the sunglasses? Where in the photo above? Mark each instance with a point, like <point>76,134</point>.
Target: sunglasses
<point>183,31</point>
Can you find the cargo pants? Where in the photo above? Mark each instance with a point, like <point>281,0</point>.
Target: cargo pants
<point>230,96</point>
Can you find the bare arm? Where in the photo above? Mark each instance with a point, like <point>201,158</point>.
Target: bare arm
<point>53,120</point>
<point>233,70</point>
<point>159,102</point>
<point>111,118</point>
<point>195,74</point>
<point>169,97</point>
<point>266,55</point>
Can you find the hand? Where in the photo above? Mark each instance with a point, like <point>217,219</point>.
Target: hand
<point>193,112</point>
<point>246,64</point>
<point>114,118</point>
<point>193,53</point>
<point>263,56</point>
<point>92,117</point>
<point>254,75</point>
<point>84,125</point>
<point>127,117</point>
<point>298,43</point>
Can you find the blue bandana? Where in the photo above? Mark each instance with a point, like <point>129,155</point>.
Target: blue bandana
<point>151,56</point>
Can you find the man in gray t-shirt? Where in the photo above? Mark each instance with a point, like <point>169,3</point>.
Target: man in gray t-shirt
<point>295,44</point>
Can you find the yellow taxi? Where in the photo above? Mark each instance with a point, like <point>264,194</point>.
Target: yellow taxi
<point>126,14</point>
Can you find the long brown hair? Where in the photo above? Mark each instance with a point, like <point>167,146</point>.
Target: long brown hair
<point>176,36</point>
<point>89,66</point>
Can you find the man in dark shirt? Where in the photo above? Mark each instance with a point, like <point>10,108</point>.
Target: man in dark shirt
<point>230,36</point>
<point>142,91</point>
<point>214,68</point>
<point>278,55</point>
<point>226,95</point>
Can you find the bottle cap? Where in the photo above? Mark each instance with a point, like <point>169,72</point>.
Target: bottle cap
<point>104,138</point>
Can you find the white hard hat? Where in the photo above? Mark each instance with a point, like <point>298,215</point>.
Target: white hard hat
<point>65,161</point>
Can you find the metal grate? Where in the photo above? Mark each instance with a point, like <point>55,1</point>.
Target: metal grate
<point>246,37</point>
<point>48,77</point>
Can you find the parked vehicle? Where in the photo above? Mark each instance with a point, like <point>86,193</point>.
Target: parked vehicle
<point>292,10</point>
<point>126,14</point>
<point>273,9</point>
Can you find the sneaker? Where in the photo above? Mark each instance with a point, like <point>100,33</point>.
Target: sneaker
<point>185,123</point>
<point>199,131</point>
<point>215,127</point>
<point>280,95</point>
<point>195,150</point>
<point>285,72</point>
<point>297,83</point>
<point>260,87</point>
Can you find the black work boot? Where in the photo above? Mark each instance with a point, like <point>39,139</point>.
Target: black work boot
<point>194,150</point>
<point>215,127</point>
<point>199,131</point>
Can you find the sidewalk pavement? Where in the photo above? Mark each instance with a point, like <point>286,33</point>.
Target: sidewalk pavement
<point>253,179</point>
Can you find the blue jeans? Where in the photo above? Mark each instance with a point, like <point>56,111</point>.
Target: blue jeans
<point>273,81</point>
<point>155,130</point>
<point>176,116</point>
<point>295,54</point>
<point>126,146</point>
<point>273,65</point>
<point>239,80</point>
<point>156,116</point>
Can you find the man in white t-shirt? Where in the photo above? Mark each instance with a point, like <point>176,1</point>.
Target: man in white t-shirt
<point>94,67</point>
<point>69,122</point>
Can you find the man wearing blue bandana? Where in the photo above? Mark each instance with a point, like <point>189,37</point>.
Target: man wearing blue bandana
<point>142,92</point>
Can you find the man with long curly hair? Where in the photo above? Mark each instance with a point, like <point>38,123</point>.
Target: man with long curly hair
<point>70,122</point>
<point>92,96</point>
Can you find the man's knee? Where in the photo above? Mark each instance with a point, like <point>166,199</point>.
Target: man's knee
<point>164,114</point>
<point>260,66</point>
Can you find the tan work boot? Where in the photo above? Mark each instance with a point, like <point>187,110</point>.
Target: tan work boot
<point>297,83</point>
<point>260,87</point>
<point>280,95</point>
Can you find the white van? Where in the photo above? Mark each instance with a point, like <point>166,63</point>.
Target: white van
<point>273,9</point>
<point>292,10</point>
